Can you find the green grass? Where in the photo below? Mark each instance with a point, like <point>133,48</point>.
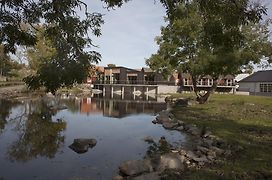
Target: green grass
<point>239,120</point>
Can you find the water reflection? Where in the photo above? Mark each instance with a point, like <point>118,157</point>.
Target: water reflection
<point>5,110</point>
<point>119,108</point>
<point>37,133</point>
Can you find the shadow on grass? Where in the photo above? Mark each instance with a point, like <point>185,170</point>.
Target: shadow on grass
<point>251,142</point>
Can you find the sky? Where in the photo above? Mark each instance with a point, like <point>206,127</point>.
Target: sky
<point>128,32</point>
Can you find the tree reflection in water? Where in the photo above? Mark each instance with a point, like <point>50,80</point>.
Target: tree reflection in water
<point>38,134</point>
<point>5,110</point>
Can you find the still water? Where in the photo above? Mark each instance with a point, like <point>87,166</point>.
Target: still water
<point>35,135</point>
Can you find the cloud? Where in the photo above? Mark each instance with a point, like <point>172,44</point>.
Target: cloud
<point>128,33</point>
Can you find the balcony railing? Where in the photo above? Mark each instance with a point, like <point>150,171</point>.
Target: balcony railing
<point>135,82</point>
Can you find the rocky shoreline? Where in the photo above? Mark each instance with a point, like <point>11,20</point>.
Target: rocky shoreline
<point>172,162</point>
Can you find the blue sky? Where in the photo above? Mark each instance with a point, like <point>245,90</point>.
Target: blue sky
<point>128,33</point>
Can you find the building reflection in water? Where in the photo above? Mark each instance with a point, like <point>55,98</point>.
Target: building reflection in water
<point>119,108</point>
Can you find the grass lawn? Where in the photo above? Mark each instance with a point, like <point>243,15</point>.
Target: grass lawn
<point>239,120</point>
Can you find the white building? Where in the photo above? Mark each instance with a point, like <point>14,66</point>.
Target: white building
<point>259,83</point>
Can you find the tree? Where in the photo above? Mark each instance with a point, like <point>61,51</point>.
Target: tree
<point>7,65</point>
<point>211,37</point>
<point>43,50</point>
<point>38,134</point>
<point>68,32</point>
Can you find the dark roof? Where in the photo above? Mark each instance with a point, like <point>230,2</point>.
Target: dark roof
<point>260,76</point>
<point>120,67</point>
<point>147,70</point>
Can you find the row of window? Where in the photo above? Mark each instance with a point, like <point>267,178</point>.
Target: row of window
<point>265,87</point>
<point>228,82</point>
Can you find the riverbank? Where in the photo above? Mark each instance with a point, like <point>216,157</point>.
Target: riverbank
<point>12,91</point>
<point>19,90</point>
<point>244,123</point>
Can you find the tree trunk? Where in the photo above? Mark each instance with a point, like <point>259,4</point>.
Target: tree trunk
<point>195,89</point>
<point>202,99</point>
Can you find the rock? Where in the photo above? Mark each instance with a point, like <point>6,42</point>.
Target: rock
<point>211,158</point>
<point>169,125</point>
<point>155,121</point>
<point>180,122</point>
<point>135,167</point>
<point>118,177</point>
<point>180,128</point>
<point>171,115</point>
<point>217,150</point>
<point>194,131</point>
<point>149,139</point>
<point>201,159</point>
<point>227,152</point>
<point>206,134</point>
<point>82,145</point>
<point>170,161</point>
<point>182,152</point>
<point>162,119</point>
<point>211,154</point>
<point>207,143</point>
<point>150,176</point>
<point>192,102</point>
<point>191,155</point>
<point>189,126</point>
<point>182,102</point>
<point>203,149</point>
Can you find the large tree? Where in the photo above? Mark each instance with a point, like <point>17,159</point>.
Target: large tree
<point>212,37</point>
<point>68,32</point>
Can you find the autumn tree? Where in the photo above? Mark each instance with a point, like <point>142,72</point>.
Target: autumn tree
<point>211,37</point>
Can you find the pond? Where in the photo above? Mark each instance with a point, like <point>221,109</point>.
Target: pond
<point>35,135</point>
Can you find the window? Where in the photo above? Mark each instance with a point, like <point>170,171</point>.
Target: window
<point>210,82</point>
<point>186,82</point>
<point>229,82</point>
<point>265,88</point>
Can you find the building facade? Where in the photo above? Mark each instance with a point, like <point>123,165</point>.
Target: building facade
<point>259,83</point>
<point>181,82</point>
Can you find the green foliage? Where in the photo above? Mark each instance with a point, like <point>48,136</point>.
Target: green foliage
<point>41,51</point>
<point>211,37</point>
<point>62,52</point>
<point>7,65</point>
<point>63,27</point>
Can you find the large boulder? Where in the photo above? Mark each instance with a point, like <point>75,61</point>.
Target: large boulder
<point>161,119</point>
<point>149,176</point>
<point>169,125</point>
<point>135,167</point>
<point>149,139</point>
<point>170,161</point>
<point>82,145</point>
<point>118,177</point>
